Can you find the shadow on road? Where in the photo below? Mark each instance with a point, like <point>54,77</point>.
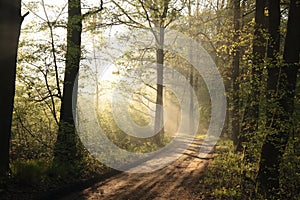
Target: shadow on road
<point>176,181</point>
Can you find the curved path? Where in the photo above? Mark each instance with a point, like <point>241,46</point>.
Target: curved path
<point>176,181</point>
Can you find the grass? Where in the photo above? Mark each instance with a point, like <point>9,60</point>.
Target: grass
<point>225,176</point>
<point>228,176</point>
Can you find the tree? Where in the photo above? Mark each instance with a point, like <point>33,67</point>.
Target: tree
<point>281,86</point>
<point>236,72</point>
<point>191,73</point>
<point>160,24</point>
<point>68,146</point>
<point>10,26</point>
<point>251,115</point>
<point>67,141</point>
<point>158,21</point>
<point>155,16</point>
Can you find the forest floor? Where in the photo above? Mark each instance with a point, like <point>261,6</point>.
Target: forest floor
<point>179,180</point>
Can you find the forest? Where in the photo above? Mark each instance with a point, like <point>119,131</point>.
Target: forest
<point>149,99</point>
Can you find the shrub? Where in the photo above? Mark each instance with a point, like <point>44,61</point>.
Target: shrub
<point>30,172</point>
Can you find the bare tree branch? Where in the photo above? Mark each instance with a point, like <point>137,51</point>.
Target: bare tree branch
<point>91,12</point>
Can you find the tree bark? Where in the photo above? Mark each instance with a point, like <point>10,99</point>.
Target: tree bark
<point>251,115</point>
<point>159,111</point>
<point>191,74</point>
<point>235,75</point>
<point>10,26</point>
<point>66,147</point>
<point>281,85</point>
<point>159,21</point>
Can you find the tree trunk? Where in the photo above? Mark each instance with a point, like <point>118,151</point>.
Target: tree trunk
<point>282,92</point>
<point>159,21</point>
<point>251,115</point>
<point>159,111</point>
<point>10,25</point>
<point>66,147</point>
<point>235,75</point>
<point>191,74</point>
<point>191,113</point>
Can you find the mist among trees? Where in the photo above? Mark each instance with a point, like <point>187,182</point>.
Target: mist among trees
<point>70,67</point>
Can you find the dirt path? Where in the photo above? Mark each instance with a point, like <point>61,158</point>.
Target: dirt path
<point>176,181</point>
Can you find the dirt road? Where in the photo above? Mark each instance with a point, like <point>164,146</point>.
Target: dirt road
<point>176,181</point>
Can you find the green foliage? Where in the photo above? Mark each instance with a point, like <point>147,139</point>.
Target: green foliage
<point>225,176</point>
<point>33,129</point>
<point>62,171</point>
<point>124,140</point>
<point>30,172</point>
<point>229,176</point>
<point>290,170</point>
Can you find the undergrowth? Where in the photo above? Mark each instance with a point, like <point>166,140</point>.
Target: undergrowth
<point>228,176</point>
<point>225,176</point>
